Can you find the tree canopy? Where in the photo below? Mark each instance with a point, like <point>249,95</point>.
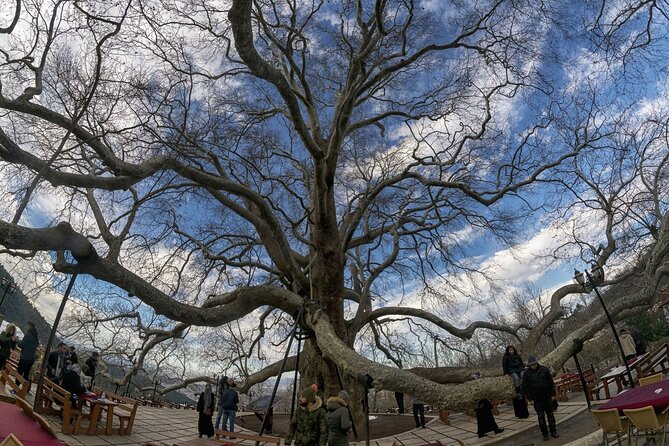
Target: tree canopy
<point>225,163</point>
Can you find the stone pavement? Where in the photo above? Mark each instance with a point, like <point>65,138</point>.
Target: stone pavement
<point>463,428</point>
<point>163,426</point>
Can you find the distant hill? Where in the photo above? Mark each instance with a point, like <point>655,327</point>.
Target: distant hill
<point>18,309</point>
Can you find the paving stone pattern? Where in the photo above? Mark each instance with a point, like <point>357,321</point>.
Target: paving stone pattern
<point>163,427</point>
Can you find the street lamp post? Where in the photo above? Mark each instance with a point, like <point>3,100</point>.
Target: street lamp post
<point>9,287</point>
<point>84,254</point>
<point>156,383</point>
<point>591,279</point>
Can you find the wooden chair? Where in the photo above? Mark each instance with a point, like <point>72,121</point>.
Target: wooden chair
<point>648,423</point>
<point>652,379</point>
<point>611,423</point>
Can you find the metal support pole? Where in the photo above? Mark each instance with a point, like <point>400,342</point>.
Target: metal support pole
<point>551,335</point>
<point>283,366</point>
<point>585,387</point>
<point>366,415</point>
<point>52,335</point>
<point>297,369</point>
<point>4,294</point>
<point>613,327</point>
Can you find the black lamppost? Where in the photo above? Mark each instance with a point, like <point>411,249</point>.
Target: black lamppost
<point>590,279</point>
<point>551,335</point>
<point>84,254</point>
<point>9,287</point>
<point>156,383</point>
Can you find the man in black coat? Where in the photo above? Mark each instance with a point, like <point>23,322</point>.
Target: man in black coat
<point>56,363</point>
<point>72,383</point>
<point>28,345</point>
<point>539,389</point>
<point>92,364</point>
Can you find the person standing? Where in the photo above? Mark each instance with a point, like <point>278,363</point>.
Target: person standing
<point>539,389</point>
<point>639,341</point>
<point>55,363</point>
<point>628,345</point>
<point>485,419</point>
<point>512,365</point>
<point>28,347</point>
<point>399,397</point>
<point>339,419</point>
<point>7,343</point>
<point>228,405</point>
<point>223,385</point>
<point>418,411</point>
<point>309,426</point>
<point>205,409</point>
<point>71,356</point>
<point>92,364</point>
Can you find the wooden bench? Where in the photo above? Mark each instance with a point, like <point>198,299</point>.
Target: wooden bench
<point>125,410</point>
<point>10,376</point>
<point>655,362</point>
<point>244,436</point>
<point>52,394</point>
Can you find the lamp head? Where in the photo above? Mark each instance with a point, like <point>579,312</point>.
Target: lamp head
<point>597,273</point>
<point>579,277</point>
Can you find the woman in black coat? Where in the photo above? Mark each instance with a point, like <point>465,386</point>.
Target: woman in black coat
<point>205,408</point>
<point>513,365</point>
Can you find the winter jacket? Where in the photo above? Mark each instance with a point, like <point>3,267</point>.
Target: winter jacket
<point>640,343</point>
<point>72,383</point>
<point>539,387</point>
<point>52,364</point>
<point>512,364</point>
<point>200,404</point>
<point>92,364</point>
<point>309,426</point>
<point>29,345</point>
<point>339,421</point>
<point>627,342</point>
<point>7,344</point>
<point>229,399</point>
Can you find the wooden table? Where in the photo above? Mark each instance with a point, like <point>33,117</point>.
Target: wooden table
<point>97,406</point>
<point>617,374</point>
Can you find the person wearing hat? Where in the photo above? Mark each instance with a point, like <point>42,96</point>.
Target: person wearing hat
<point>309,426</point>
<point>339,419</point>
<point>539,389</point>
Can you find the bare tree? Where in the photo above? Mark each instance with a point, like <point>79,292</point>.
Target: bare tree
<point>217,163</point>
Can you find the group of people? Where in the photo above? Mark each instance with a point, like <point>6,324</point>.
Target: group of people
<point>228,399</point>
<point>417,405</point>
<point>63,368</point>
<point>313,424</point>
<point>535,383</point>
<point>28,345</point>
<point>62,364</point>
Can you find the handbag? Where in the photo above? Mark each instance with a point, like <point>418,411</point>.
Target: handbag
<point>208,411</point>
<point>554,403</point>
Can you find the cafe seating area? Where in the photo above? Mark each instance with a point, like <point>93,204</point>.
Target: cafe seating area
<point>641,412</point>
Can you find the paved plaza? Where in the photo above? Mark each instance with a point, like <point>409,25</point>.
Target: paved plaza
<point>163,426</point>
